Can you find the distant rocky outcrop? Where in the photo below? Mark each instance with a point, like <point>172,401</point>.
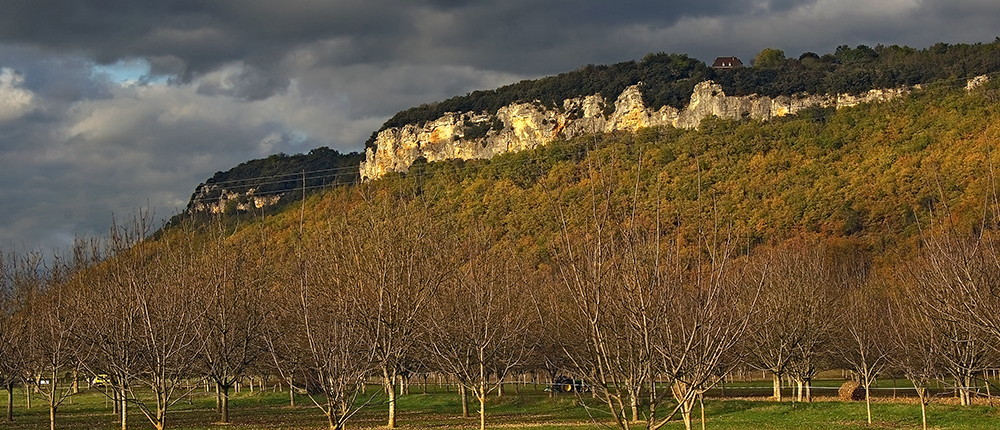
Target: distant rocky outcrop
<point>521,126</point>
<point>257,184</point>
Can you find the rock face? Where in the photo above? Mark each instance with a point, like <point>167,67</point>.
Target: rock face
<point>976,82</point>
<point>216,200</point>
<point>523,126</point>
<point>264,182</point>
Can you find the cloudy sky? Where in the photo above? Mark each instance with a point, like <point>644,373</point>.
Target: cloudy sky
<point>109,105</point>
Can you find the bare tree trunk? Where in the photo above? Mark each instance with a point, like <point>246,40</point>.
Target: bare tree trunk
<point>465,401</point>
<point>966,390</point>
<point>123,409</point>
<point>225,403</point>
<point>868,401</point>
<point>482,407</point>
<point>10,402</point>
<point>686,410</point>
<point>218,398</point>
<point>921,394</point>
<point>986,379</point>
<point>390,390</point>
<point>634,403</point>
<point>701,406</point>
<point>776,379</point>
<point>52,401</point>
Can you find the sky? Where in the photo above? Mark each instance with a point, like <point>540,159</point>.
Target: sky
<point>107,106</point>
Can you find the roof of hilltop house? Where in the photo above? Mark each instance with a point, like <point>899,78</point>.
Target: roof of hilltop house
<point>727,63</point>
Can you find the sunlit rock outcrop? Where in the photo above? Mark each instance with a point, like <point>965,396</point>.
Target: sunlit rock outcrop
<point>516,127</point>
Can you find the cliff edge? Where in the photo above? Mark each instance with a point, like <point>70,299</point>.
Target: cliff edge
<point>521,126</point>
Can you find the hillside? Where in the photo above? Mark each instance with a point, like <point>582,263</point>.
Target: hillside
<point>661,89</point>
<point>865,174</point>
<point>269,181</point>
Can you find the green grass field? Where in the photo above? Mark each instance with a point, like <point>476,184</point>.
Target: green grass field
<point>530,408</point>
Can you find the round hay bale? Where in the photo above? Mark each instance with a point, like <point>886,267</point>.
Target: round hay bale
<point>851,391</point>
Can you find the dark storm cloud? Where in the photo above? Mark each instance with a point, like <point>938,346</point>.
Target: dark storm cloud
<point>200,35</point>
<point>192,37</point>
<point>231,80</point>
<point>187,38</point>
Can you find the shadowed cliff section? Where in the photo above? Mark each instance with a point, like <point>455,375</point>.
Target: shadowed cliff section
<point>272,181</point>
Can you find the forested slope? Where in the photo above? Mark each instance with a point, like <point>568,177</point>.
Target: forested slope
<point>867,173</point>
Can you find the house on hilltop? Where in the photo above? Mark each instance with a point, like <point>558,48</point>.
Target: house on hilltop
<point>727,63</point>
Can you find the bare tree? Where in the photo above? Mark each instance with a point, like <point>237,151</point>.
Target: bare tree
<point>710,300</point>
<point>332,349</point>
<point>280,333</point>
<point>476,326</point>
<point>111,320</point>
<point>863,346</point>
<point>232,282</point>
<point>552,335</point>
<point>916,342</point>
<point>392,255</point>
<point>652,303</point>
<point>164,293</point>
<point>612,281</point>
<point>953,283</point>
<point>12,329</point>
<point>777,331</point>
<point>791,333</point>
<point>52,317</point>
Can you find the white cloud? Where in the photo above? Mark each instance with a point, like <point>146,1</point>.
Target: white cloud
<point>15,100</point>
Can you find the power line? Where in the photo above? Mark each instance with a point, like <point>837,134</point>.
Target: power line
<point>297,175</point>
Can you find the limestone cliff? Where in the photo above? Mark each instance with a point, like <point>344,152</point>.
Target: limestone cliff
<point>264,182</point>
<point>516,127</point>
